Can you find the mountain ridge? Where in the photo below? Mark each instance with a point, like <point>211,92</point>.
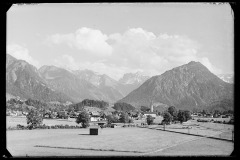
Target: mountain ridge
<point>188,86</point>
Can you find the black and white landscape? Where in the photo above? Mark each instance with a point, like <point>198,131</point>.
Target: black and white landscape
<point>120,79</point>
<point>188,86</point>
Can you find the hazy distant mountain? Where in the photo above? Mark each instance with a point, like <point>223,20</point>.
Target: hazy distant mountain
<point>114,90</point>
<point>70,84</point>
<point>133,78</point>
<point>23,80</point>
<point>188,86</point>
<point>226,77</point>
<point>131,81</point>
<point>109,87</point>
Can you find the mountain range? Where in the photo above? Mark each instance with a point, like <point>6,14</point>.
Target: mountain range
<point>188,86</point>
<point>24,80</point>
<point>65,85</point>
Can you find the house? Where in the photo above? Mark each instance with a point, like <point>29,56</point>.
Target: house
<point>95,116</point>
<point>153,114</point>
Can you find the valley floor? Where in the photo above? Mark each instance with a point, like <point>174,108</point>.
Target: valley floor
<point>130,141</point>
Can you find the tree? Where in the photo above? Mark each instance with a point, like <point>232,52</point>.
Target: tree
<point>167,117</point>
<point>144,109</point>
<point>173,111</point>
<point>84,119</point>
<point>34,119</point>
<point>187,115</point>
<point>124,118</point>
<point>111,119</point>
<point>181,116</point>
<point>130,120</point>
<point>122,106</point>
<point>150,120</point>
<point>204,111</point>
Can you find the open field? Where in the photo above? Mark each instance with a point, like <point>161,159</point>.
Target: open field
<point>222,131</point>
<point>14,121</point>
<point>215,119</point>
<point>112,142</point>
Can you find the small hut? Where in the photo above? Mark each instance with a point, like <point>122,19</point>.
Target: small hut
<point>94,130</point>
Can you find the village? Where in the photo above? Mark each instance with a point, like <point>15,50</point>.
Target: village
<point>100,116</point>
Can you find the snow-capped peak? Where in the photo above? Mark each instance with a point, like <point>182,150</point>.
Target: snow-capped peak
<point>131,78</point>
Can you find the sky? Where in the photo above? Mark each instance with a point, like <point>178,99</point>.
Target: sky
<point>119,38</point>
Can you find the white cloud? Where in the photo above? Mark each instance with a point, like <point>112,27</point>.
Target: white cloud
<point>22,53</point>
<point>90,40</point>
<point>205,61</point>
<point>138,48</point>
<point>134,50</point>
<point>67,62</point>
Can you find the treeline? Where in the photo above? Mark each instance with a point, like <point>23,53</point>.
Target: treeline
<point>39,105</point>
<point>122,106</point>
<point>95,103</point>
<point>91,103</point>
<point>173,115</point>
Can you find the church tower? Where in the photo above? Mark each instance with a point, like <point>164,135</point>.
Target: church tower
<point>151,107</point>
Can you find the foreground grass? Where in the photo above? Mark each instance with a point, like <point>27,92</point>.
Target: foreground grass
<point>110,141</point>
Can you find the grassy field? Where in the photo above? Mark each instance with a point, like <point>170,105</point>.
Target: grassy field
<point>121,141</point>
<point>14,121</point>
<point>111,142</point>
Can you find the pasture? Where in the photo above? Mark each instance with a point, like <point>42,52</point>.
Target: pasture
<point>110,142</point>
<point>14,121</point>
<point>120,141</point>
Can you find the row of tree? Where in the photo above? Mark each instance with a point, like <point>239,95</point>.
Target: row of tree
<point>87,102</point>
<point>122,106</point>
<point>173,115</point>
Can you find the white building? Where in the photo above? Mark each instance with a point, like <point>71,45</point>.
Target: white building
<point>95,116</point>
<point>153,114</point>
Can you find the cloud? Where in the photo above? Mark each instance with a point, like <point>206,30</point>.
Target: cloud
<point>90,40</point>
<point>67,62</point>
<point>141,49</point>
<point>205,61</point>
<point>22,53</point>
<point>134,50</point>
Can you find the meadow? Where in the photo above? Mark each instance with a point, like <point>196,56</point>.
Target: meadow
<point>120,141</point>
<point>110,142</point>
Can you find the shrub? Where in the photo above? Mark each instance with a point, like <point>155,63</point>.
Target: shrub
<point>167,117</point>
<point>150,120</point>
<point>124,118</point>
<point>84,119</point>
<point>34,119</point>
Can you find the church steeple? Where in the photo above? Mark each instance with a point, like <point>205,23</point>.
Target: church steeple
<point>151,106</point>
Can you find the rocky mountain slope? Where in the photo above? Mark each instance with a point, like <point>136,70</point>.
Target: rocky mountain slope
<point>189,86</point>
<point>105,84</point>
<point>24,80</point>
<point>229,78</point>
<point>131,81</point>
